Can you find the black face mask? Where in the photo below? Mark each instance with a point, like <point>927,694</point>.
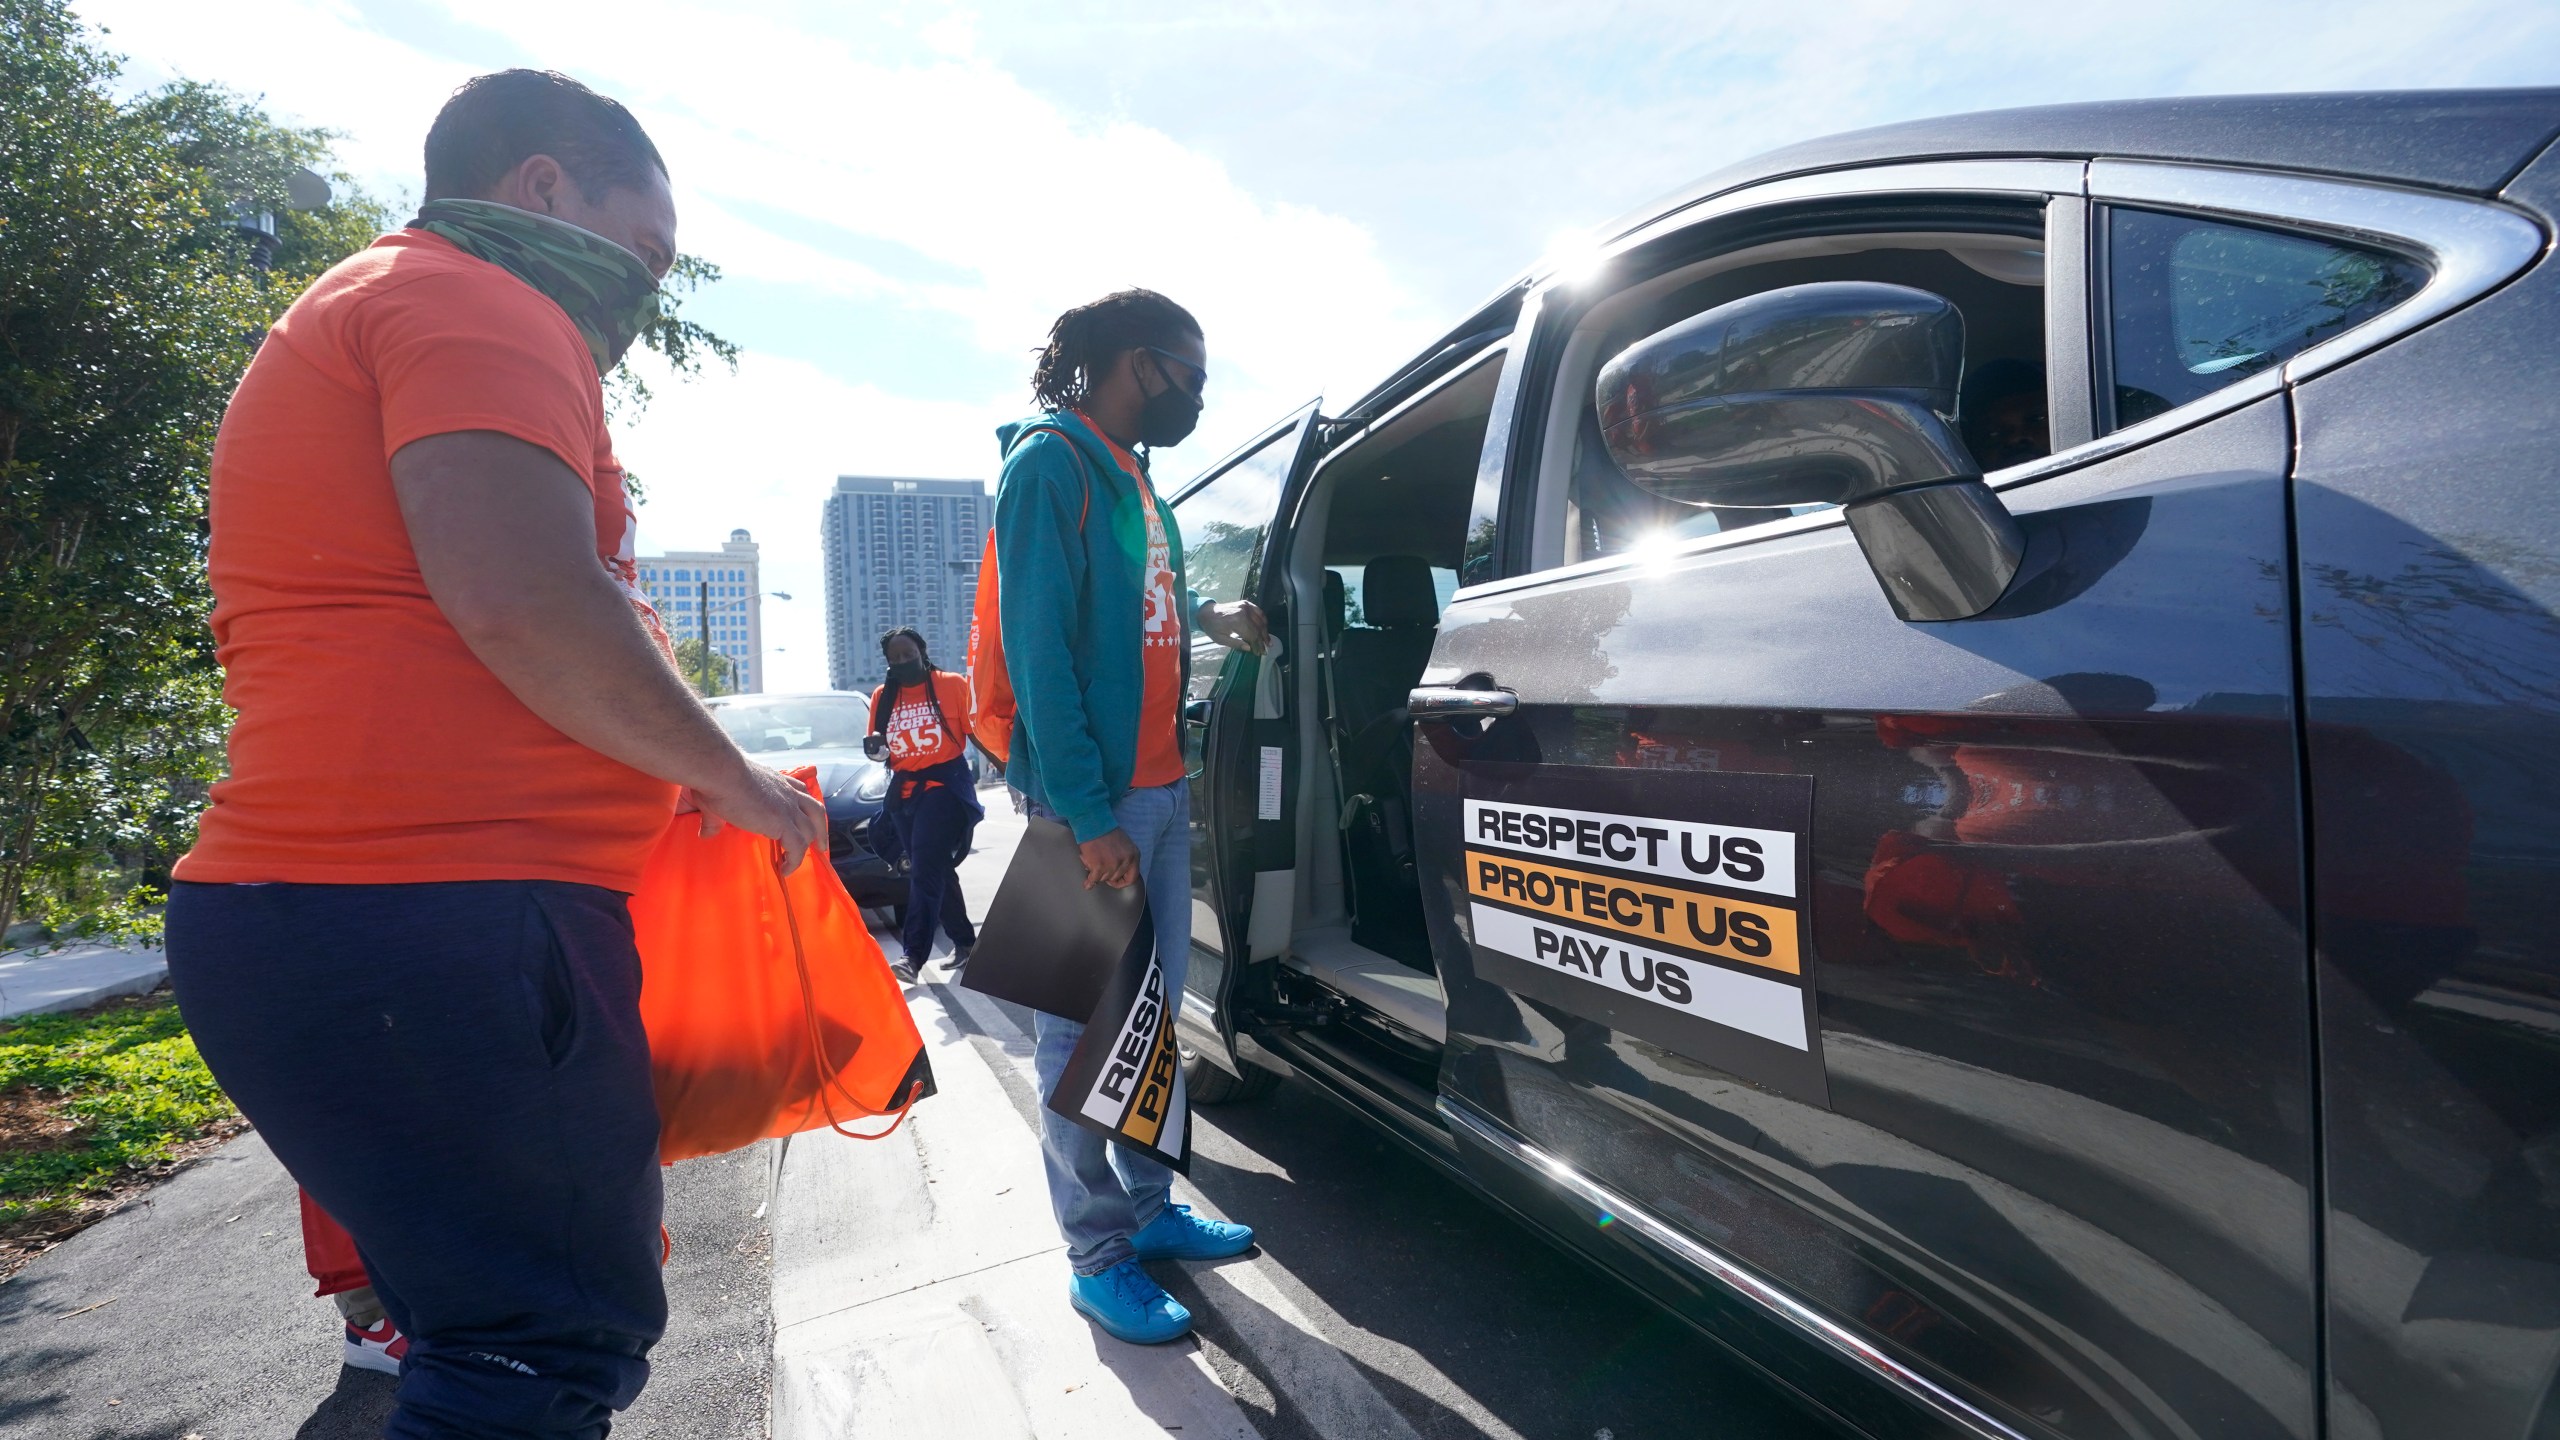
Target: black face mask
<point>1169,417</point>
<point>907,672</point>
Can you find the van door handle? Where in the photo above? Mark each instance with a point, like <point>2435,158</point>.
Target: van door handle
<point>1448,702</point>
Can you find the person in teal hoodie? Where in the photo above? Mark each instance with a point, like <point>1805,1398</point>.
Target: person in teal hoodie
<point>1096,622</point>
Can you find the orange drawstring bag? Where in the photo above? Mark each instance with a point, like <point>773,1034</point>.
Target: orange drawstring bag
<point>990,688</point>
<point>768,1006</point>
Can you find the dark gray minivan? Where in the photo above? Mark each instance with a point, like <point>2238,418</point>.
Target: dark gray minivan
<point>1944,756</point>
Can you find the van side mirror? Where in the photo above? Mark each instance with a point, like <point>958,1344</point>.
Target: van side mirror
<point>1831,393</point>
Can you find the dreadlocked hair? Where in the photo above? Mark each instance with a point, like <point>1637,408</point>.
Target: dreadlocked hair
<point>888,700</point>
<point>1088,338</point>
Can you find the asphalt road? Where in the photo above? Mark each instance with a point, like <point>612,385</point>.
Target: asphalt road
<point>188,1314</point>
<point>1468,1323</point>
<point>1462,1321</point>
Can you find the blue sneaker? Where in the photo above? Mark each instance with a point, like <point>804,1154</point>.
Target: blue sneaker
<point>1129,1305</point>
<point>1177,1234</point>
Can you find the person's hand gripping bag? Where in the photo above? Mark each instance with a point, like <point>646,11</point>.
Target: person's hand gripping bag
<point>768,1006</point>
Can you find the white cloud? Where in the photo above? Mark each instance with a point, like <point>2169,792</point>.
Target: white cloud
<point>313,61</point>
<point>892,130</point>
<point>1464,133</point>
<point>905,166</point>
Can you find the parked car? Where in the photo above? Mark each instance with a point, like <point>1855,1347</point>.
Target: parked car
<point>1943,755</point>
<point>825,729</point>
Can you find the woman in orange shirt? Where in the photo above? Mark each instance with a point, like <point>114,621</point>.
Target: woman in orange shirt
<point>918,728</point>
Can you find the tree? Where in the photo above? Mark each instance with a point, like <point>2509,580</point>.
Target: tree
<point>676,340</point>
<point>122,325</point>
<point>250,159</point>
<point>129,303</point>
<point>707,670</point>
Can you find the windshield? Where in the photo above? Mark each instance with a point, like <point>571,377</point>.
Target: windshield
<point>770,727</point>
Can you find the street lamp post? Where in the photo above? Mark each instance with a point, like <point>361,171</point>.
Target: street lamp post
<point>256,223</point>
<point>702,622</point>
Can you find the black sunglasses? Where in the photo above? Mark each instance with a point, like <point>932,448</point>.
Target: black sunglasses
<point>1195,388</point>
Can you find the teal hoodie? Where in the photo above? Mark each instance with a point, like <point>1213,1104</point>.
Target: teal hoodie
<point>1071,568</point>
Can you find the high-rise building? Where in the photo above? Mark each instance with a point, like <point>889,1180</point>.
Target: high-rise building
<point>901,552</point>
<point>717,592</point>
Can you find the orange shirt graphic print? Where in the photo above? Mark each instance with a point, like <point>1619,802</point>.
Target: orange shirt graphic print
<point>918,739</point>
<point>1162,628</point>
<point>1159,757</point>
<point>914,734</point>
<point>1163,620</point>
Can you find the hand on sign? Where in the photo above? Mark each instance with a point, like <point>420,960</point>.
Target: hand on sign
<point>1237,624</point>
<point>1110,859</point>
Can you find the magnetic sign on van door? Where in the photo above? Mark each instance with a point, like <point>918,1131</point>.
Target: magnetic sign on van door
<point>1667,904</point>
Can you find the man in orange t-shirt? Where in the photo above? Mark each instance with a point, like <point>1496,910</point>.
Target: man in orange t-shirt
<point>401,940</point>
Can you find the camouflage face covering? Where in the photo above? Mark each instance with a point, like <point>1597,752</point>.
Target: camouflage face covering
<point>610,296</point>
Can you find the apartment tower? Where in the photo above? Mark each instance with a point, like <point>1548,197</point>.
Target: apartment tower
<point>901,552</point>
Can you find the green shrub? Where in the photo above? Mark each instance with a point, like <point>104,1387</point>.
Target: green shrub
<point>127,1076</point>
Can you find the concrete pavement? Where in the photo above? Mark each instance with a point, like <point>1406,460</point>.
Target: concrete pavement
<point>918,1284</point>
<point>919,1279</point>
<point>76,976</point>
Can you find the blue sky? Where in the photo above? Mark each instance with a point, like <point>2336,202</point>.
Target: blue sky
<point>905,193</point>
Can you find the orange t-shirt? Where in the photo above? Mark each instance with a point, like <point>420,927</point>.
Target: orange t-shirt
<point>1159,758</point>
<point>917,741</point>
<point>372,747</point>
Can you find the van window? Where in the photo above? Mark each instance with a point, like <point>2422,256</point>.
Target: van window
<point>1347,579</point>
<point>2193,305</point>
<point>1223,521</point>
<point>1995,281</point>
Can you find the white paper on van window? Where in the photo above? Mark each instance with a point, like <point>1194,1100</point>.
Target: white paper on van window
<point>1267,801</point>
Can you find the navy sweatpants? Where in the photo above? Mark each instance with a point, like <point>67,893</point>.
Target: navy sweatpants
<point>934,828</point>
<point>458,1074</point>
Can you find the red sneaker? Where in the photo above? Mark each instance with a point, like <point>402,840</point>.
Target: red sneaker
<point>381,1348</point>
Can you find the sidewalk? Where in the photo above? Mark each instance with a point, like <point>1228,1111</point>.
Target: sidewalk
<point>75,977</point>
<point>920,1290</point>
<point>919,1281</point>
<point>920,1284</point>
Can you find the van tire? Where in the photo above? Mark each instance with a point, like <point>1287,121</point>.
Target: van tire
<point>1208,1083</point>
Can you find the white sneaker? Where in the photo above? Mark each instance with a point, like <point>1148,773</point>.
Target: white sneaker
<point>380,1349</point>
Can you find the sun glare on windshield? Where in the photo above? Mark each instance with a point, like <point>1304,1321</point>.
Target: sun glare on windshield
<point>782,726</point>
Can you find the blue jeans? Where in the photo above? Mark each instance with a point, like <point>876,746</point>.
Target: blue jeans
<point>457,1073</point>
<point>1103,1194</point>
